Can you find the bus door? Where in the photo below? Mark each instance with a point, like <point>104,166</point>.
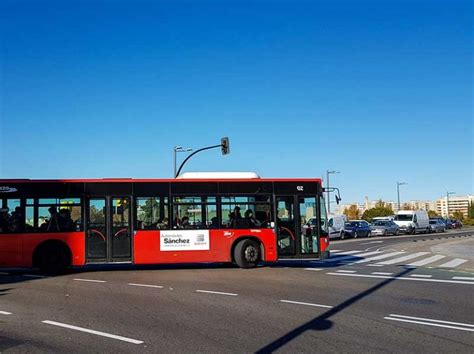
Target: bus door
<point>108,230</point>
<point>296,227</point>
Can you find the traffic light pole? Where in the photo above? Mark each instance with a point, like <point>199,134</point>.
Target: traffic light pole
<point>194,153</point>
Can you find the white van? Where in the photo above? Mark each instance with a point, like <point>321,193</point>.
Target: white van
<point>336,225</point>
<point>413,221</point>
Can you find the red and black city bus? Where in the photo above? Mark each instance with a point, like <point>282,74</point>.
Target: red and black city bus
<point>240,218</point>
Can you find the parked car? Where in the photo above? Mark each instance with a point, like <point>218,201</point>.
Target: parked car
<point>449,224</point>
<point>457,224</point>
<point>413,221</point>
<point>356,228</point>
<point>437,225</point>
<point>384,228</point>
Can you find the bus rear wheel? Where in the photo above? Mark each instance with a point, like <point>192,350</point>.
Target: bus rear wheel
<point>53,258</point>
<point>247,253</point>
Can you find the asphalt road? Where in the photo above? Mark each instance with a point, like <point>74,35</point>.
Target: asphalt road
<point>349,303</point>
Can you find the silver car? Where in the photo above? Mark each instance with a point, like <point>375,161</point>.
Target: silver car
<point>437,225</point>
<point>384,228</point>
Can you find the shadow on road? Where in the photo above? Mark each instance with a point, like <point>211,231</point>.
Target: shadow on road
<point>322,322</point>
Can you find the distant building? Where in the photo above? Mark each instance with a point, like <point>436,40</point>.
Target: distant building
<point>458,203</point>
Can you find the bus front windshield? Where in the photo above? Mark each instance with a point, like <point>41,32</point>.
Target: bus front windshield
<point>323,217</point>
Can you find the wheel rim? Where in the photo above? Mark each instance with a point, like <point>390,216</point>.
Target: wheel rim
<point>251,253</point>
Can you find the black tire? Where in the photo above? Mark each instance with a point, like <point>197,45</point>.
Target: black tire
<point>355,234</point>
<point>397,232</point>
<point>412,231</point>
<point>343,235</point>
<point>52,259</point>
<point>385,233</point>
<point>247,254</point>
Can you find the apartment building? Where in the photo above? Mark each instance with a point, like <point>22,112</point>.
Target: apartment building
<point>456,203</point>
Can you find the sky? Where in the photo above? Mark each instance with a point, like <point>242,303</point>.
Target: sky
<point>378,90</point>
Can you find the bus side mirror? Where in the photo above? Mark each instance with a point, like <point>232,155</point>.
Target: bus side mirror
<point>272,224</point>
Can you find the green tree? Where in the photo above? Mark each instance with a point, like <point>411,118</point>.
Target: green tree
<point>379,210</point>
<point>470,213</point>
<point>458,215</point>
<point>432,213</point>
<point>352,212</point>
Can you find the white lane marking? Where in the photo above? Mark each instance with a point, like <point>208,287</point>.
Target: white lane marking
<point>381,273</point>
<point>316,269</point>
<point>421,276</point>
<point>404,258</point>
<point>403,278</point>
<point>349,252</point>
<point>431,320</point>
<point>146,285</point>
<point>463,278</point>
<point>350,257</point>
<point>453,264</point>
<point>5,313</point>
<point>215,292</point>
<point>374,265</point>
<point>34,276</point>
<point>428,260</point>
<point>345,271</point>
<point>306,303</point>
<point>368,243</point>
<point>382,256</point>
<point>4,273</point>
<point>335,251</point>
<point>91,280</point>
<point>429,324</point>
<point>91,331</point>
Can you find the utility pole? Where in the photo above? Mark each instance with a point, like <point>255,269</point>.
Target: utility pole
<point>177,149</point>
<point>447,203</point>
<point>398,192</point>
<point>328,172</point>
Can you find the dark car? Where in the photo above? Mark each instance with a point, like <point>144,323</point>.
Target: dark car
<point>457,224</point>
<point>449,224</point>
<point>356,228</point>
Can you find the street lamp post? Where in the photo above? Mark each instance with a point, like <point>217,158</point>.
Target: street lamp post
<point>398,191</point>
<point>328,172</point>
<point>447,203</point>
<point>177,149</point>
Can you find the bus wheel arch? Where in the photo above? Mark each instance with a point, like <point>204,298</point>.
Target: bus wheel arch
<point>52,256</point>
<point>247,251</point>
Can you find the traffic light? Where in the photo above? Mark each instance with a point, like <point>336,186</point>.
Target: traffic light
<point>225,147</point>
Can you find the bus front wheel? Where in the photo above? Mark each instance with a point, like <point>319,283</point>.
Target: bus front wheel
<point>247,253</point>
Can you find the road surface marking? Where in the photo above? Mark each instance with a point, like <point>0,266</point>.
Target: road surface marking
<point>374,265</point>
<point>381,273</point>
<point>146,285</point>
<point>34,276</point>
<point>403,278</point>
<point>317,269</point>
<point>368,243</point>
<point>345,271</point>
<point>4,273</point>
<point>215,292</point>
<point>421,276</point>
<point>453,264</point>
<point>430,322</point>
<point>338,258</point>
<point>382,256</point>
<point>305,303</point>
<point>335,251</point>
<point>404,258</point>
<point>426,261</point>
<point>5,313</point>
<point>463,278</point>
<point>91,331</point>
<point>349,252</point>
<point>91,280</point>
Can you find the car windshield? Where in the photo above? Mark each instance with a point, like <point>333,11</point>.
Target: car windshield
<point>404,217</point>
<point>352,223</point>
<point>380,223</point>
<point>432,221</point>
